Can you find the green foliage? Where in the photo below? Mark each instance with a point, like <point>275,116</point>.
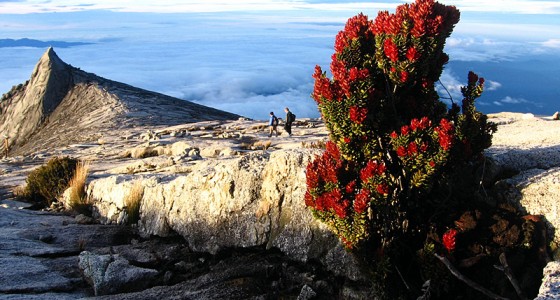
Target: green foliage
<point>49,181</point>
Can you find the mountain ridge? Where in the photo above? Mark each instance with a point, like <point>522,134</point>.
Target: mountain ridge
<point>61,104</point>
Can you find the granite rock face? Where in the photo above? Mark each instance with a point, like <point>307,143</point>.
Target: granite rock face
<point>24,112</point>
<point>61,105</point>
<point>253,200</point>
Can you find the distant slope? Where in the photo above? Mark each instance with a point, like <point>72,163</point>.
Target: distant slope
<point>8,43</point>
<point>61,105</point>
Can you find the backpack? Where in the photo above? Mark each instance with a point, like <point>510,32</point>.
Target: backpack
<point>275,122</point>
<point>292,117</point>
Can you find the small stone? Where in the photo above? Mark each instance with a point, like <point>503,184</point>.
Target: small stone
<point>46,238</point>
<point>182,266</point>
<point>167,277</point>
<point>306,293</point>
<point>83,219</point>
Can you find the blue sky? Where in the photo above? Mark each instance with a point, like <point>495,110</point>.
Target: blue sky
<point>251,57</point>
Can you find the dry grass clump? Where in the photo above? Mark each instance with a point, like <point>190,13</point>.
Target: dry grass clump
<point>314,145</point>
<point>260,127</point>
<point>77,198</point>
<point>262,145</point>
<point>132,202</point>
<point>20,191</point>
<point>258,145</point>
<point>46,183</point>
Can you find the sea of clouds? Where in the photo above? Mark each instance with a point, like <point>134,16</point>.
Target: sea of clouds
<point>251,63</point>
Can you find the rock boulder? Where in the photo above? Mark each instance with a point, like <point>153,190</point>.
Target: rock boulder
<point>253,200</point>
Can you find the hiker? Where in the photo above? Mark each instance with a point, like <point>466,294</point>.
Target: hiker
<point>272,124</point>
<point>290,118</point>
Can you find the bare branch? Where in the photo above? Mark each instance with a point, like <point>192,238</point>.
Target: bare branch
<point>467,281</point>
<point>506,269</point>
<point>402,278</point>
<point>448,93</point>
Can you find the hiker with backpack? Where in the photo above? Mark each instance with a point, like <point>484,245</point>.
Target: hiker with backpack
<point>272,124</point>
<point>290,118</point>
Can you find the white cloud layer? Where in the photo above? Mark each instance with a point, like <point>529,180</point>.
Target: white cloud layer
<point>188,6</point>
<point>256,56</point>
<point>509,6</point>
<point>552,43</point>
<point>177,6</point>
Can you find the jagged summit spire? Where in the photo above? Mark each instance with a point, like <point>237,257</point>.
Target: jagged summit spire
<point>50,61</point>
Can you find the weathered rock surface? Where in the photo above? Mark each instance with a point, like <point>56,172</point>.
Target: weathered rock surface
<point>112,274</point>
<point>550,289</point>
<point>39,253</point>
<point>248,201</point>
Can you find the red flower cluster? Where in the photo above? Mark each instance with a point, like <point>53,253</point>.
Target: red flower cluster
<point>411,149</point>
<point>445,134</point>
<point>415,31</point>
<point>391,50</point>
<point>368,175</point>
<point>356,74</point>
<point>386,23</point>
<point>473,79</point>
<point>322,89</point>
<point>427,17</point>
<point>412,54</point>
<point>372,169</point>
<point>405,130</point>
<point>382,189</point>
<point>356,27</point>
<point>450,239</point>
<point>415,125</point>
<point>401,151</point>
<point>332,200</point>
<point>350,187</point>
<point>326,169</point>
<point>430,18</point>
<point>404,76</point>
<point>358,114</point>
<point>362,200</point>
<point>421,124</point>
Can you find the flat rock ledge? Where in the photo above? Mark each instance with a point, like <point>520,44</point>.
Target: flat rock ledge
<point>248,201</point>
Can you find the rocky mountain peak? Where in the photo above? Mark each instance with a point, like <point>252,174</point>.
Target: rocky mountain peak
<point>60,105</point>
<point>49,62</point>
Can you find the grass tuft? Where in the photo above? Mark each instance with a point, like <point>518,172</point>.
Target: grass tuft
<point>78,200</point>
<point>132,202</point>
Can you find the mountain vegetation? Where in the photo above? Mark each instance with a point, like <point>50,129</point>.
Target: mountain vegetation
<point>400,180</point>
